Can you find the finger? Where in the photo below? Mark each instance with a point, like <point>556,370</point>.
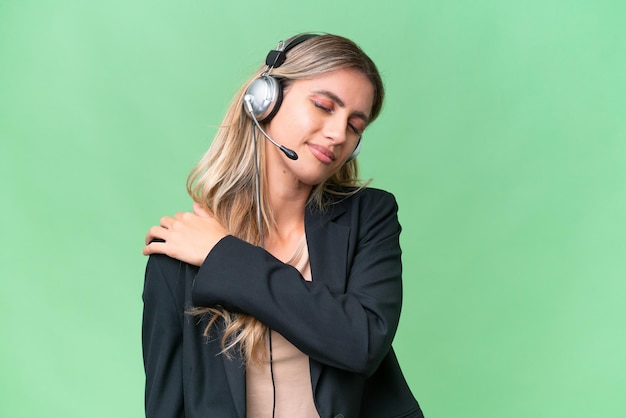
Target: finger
<point>156,233</point>
<point>166,222</point>
<point>181,215</point>
<point>200,211</point>
<point>154,248</point>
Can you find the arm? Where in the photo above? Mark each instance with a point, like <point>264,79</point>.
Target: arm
<point>350,328</point>
<point>162,344</point>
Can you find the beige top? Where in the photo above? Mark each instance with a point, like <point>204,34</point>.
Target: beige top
<point>294,395</point>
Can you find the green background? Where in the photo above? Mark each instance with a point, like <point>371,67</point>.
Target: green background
<point>503,138</point>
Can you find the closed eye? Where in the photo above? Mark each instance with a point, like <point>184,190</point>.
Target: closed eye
<point>329,109</point>
<point>321,106</point>
<point>355,129</point>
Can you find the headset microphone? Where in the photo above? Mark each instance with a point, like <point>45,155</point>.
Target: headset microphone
<point>248,99</point>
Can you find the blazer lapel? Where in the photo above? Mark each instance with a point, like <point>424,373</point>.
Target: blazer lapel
<point>328,250</point>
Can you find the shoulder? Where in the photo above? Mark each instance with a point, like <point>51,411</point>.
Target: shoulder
<point>370,195</point>
<point>167,276</point>
<point>368,200</point>
<point>160,265</point>
<point>359,208</point>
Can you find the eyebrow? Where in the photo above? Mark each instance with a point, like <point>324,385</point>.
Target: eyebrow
<point>340,102</point>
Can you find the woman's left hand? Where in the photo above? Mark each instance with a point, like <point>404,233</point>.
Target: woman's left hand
<point>188,237</point>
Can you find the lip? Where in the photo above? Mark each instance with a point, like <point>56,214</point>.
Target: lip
<point>322,153</point>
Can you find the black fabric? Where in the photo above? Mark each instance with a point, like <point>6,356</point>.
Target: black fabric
<point>344,319</point>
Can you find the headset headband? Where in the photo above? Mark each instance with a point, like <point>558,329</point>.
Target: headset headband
<point>276,57</point>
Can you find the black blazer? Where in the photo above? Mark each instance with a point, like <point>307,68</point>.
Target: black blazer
<point>344,319</point>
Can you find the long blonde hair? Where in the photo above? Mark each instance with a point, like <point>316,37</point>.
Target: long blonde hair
<point>223,181</point>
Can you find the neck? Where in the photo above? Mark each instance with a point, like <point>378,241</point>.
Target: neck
<point>287,197</point>
<point>288,210</point>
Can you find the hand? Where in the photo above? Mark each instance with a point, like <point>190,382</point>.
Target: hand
<point>188,237</point>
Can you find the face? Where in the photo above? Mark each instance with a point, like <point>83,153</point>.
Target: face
<point>321,119</point>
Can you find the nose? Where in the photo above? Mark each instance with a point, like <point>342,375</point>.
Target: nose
<point>335,128</point>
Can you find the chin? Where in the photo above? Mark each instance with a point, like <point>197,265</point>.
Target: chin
<point>312,180</point>
<point>315,174</point>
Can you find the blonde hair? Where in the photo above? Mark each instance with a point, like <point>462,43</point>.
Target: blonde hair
<point>224,182</point>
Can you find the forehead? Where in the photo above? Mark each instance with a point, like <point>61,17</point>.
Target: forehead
<point>352,86</point>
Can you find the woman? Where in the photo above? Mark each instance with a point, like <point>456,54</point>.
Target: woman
<point>281,294</point>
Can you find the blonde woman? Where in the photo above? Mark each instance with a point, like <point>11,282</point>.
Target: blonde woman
<point>280,295</point>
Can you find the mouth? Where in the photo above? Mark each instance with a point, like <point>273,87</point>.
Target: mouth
<point>322,153</point>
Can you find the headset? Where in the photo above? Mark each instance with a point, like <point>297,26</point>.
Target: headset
<point>264,96</point>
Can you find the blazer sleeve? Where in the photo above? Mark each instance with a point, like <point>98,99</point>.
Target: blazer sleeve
<point>351,329</point>
<point>162,341</point>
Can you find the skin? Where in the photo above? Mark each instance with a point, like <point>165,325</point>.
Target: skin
<point>321,119</point>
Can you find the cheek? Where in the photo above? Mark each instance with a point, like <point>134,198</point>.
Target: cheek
<point>293,120</point>
<point>298,122</point>
<point>277,127</point>
<point>311,119</point>
<point>351,147</point>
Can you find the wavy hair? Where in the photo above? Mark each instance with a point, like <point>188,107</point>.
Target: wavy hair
<point>224,182</point>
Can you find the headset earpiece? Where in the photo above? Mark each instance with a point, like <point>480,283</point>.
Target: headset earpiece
<point>265,94</point>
